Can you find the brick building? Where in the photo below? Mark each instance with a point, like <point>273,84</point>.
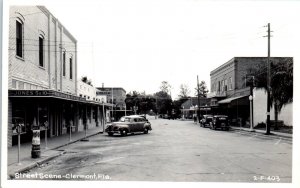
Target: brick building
<point>229,93</point>
<point>42,78</point>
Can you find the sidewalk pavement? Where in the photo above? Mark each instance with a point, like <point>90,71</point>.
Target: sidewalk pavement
<point>27,163</point>
<point>273,133</point>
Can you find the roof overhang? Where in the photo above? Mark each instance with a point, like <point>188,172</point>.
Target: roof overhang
<point>228,100</point>
<point>52,94</point>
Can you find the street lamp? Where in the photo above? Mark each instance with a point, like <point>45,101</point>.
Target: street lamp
<point>251,116</point>
<point>103,115</point>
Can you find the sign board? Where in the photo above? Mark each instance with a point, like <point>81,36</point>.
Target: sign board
<point>43,93</point>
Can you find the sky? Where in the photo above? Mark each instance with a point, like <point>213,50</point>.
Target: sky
<point>137,44</point>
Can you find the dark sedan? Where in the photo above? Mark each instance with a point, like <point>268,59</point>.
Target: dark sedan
<point>129,124</point>
<point>220,121</point>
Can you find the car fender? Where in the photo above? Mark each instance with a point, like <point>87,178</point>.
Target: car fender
<point>147,125</point>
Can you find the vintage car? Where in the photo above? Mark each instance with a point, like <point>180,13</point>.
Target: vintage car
<point>129,124</point>
<point>220,121</point>
<point>206,120</point>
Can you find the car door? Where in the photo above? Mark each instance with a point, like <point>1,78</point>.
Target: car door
<point>131,125</point>
<point>140,125</point>
<point>135,125</point>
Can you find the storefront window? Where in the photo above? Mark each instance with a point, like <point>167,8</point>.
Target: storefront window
<point>18,119</point>
<point>43,117</point>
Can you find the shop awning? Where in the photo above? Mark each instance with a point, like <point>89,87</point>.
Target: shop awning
<point>228,100</point>
<point>52,94</point>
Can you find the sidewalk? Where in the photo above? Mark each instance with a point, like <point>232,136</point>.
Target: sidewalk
<point>273,133</point>
<point>46,153</point>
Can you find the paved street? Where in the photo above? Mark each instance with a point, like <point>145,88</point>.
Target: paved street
<point>175,150</point>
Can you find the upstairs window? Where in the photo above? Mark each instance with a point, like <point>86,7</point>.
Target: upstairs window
<point>64,64</point>
<point>19,39</point>
<point>41,51</point>
<point>71,68</point>
<point>230,83</point>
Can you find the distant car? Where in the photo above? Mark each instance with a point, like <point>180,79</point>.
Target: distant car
<point>129,124</point>
<point>206,120</point>
<point>220,121</point>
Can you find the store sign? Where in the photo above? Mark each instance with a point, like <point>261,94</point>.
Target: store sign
<point>43,93</point>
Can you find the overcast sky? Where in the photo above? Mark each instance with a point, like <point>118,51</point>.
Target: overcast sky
<point>137,44</point>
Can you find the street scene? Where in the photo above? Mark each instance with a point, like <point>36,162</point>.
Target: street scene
<point>143,91</point>
<point>175,150</point>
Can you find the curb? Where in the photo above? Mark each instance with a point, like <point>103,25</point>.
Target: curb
<point>255,131</point>
<point>72,142</point>
<point>35,164</point>
<point>40,162</point>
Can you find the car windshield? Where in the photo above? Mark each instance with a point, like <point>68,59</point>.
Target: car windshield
<point>125,119</point>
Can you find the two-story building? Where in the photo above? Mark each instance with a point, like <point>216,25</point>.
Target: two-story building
<point>42,77</point>
<point>115,96</point>
<point>230,93</point>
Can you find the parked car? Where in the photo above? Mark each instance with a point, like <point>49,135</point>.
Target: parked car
<point>129,124</point>
<point>220,121</point>
<point>206,120</point>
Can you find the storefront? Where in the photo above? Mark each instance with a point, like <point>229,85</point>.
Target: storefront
<point>237,109</point>
<point>57,112</point>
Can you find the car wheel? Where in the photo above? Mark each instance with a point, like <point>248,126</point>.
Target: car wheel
<point>110,134</point>
<point>146,131</point>
<point>124,132</point>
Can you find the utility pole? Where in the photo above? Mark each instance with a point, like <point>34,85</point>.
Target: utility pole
<point>112,101</point>
<point>198,89</point>
<point>268,85</point>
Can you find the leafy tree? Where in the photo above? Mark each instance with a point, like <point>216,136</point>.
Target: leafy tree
<point>202,89</point>
<point>164,102</point>
<point>86,80</point>
<point>184,91</point>
<point>143,102</point>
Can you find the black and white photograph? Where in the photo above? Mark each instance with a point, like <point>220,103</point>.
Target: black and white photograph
<point>150,93</point>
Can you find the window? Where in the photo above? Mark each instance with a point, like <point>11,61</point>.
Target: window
<point>14,84</point>
<point>20,85</point>
<point>230,83</point>
<point>64,63</point>
<point>41,51</point>
<point>71,68</point>
<point>19,39</point>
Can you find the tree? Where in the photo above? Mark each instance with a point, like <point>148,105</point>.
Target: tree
<point>202,89</point>
<point>184,91</point>
<point>86,80</point>
<point>142,102</point>
<point>281,83</point>
<point>165,87</point>
<point>163,103</point>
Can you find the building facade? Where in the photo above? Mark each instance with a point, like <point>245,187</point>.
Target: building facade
<point>230,92</point>
<point>42,79</point>
<point>189,107</point>
<point>114,95</point>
